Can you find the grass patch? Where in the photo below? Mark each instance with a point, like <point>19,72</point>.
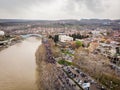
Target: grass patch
<point>67,52</point>
<point>63,62</point>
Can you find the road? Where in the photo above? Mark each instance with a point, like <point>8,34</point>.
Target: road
<point>81,78</point>
<point>49,55</point>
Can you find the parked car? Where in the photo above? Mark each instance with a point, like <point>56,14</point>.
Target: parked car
<point>80,82</point>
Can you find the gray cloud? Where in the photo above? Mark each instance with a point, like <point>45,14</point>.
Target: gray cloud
<point>92,5</point>
<point>59,9</point>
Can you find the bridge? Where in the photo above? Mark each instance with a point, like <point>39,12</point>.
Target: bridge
<point>30,35</point>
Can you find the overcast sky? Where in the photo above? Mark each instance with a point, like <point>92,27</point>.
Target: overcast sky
<point>59,9</point>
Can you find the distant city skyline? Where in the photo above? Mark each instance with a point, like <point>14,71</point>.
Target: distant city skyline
<point>59,9</point>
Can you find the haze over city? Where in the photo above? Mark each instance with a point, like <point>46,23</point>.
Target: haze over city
<point>59,9</point>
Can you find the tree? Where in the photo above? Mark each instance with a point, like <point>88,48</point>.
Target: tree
<point>50,36</point>
<point>56,38</point>
<point>78,36</point>
<point>78,44</point>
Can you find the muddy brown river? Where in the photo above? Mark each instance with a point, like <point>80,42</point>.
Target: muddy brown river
<point>18,66</point>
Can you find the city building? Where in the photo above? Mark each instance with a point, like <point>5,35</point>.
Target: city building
<point>2,33</point>
<point>65,38</point>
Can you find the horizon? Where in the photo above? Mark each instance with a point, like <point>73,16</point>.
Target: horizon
<point>58,19</point>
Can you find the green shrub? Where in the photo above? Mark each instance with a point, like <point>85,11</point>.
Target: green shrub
<point>64,62</point>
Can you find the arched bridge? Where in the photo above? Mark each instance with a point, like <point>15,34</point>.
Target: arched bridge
<point>30,35</point>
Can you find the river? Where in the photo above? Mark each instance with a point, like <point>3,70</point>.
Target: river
<point>18,66</point>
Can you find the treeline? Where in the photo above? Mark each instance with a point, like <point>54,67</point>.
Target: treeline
<point>55,38</point>
<point>75,36</point>
<point>78,36</point>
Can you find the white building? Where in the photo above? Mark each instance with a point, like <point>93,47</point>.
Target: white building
<point>95,32</point>
<point>65,38</point>
<point>107,49</point>
<point>2,33</point>
<point>113,51</point>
